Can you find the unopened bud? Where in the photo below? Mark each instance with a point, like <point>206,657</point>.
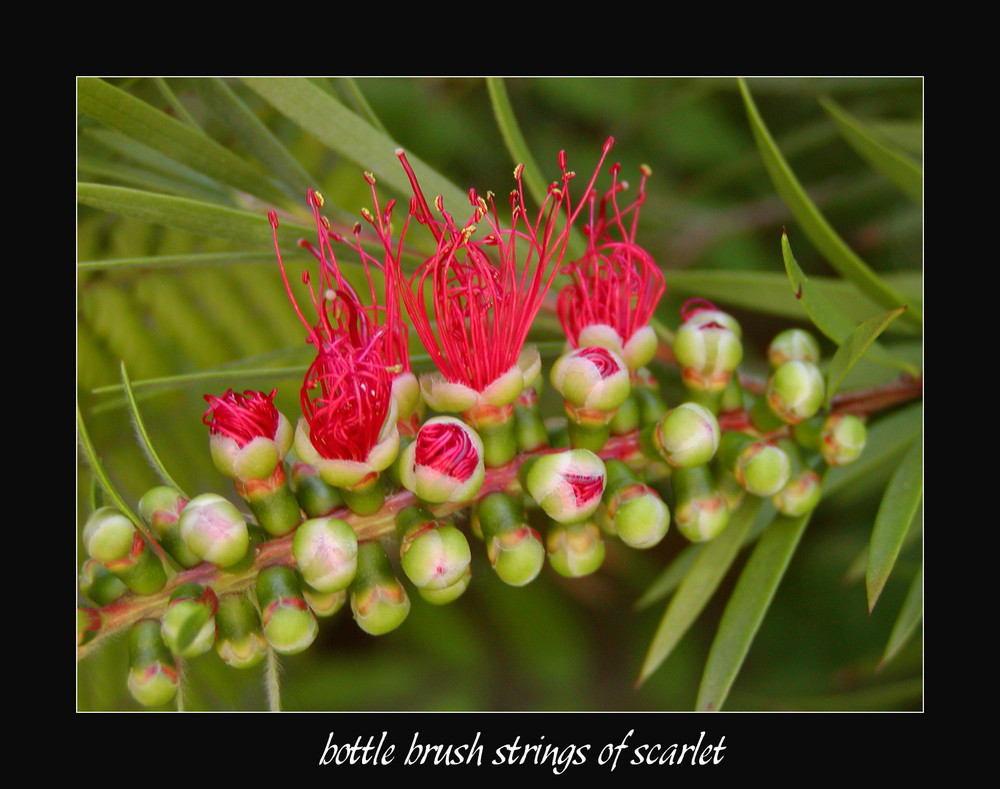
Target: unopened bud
<point>633,510</point>
<point>188,626</point>
<point>449,593</point>
<point>842,439</point>
<point>795,391</point>
<point>99,584</point>
<point>161,508</point>
<point>326,553</point>
<point>575,549</point>
<point>214,530</point>
<point>152,677</point>
<point>700,509</point>
<point>708,352</point>
<point>378,600</point>
<point>444,463</point>
<point>567,485</point>
<point>793,344</point>
<point>289,624</point>
<point>687,436</point>
<point>760,467</point>
<point>591,378</point>
<point>515,550</point>
<point>433,554</point>
<point>239,639</point>
<point>113,540</point>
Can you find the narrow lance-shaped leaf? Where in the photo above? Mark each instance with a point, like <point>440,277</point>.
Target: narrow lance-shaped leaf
<point>197,217</point>
<point>828,319</point>
<point>140,426</point>
<point>747,607</point>
<point>853,348</point>
<point>120,110</point>
<point>910,615</point>
<point>895,514</point>
<point>898,168</point>
<point>698,586</point>
<point>834,250</point>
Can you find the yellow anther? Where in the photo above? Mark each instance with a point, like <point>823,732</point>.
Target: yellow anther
<point>367,214</point>
<point>319,199</point>
<point>518,170</point>
<point>646,170</point>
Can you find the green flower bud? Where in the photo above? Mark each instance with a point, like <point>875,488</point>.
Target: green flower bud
<point>433,554</point>
<point>800,495</point>
<point>626,418</point>
<point>575,549</point>
<point>687,436</point>
<point>646,390</point>
<point>289,624</point>
<point>567,485</point>
<point>449,593</point>
<point>99,584</point>
<point>239,639</point>
<point>324,604</point>
<point>378,600</point>
<point>793,344</point>
<point>842,439</point>
<point>795,391</point>
<point>326,553</point>
<point>700,509</point>
<point>214,530</point>
<point>188,626</point>
<point>108,535</point>
<point>161,508</point>
<point>760,467</point>
<point>708,351</point>
<point>514,549</point>
<point>444,463</point>
<point>113,540</point>
<point>633,510</point>
<point>153,677</point>
<point>316,497</point>
<point>591,378</point>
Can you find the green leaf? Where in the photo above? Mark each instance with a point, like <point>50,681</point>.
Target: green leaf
<point>120,110</point>
<point>330,122</point>
<point>829,320</point>
<point>898,168</point>
<point>746,608</point>
<point>698,586</point>
<point>853,348</point>
<point>144,434</point>
<point>254,135</point>
<point>503,112</point>
<point>833,249</point>
<point>767,292</point>
<point>895,514</point>
<point>909,617</point>
<point>101,474</point>
<point>195,216</point>
<point>178,261</point>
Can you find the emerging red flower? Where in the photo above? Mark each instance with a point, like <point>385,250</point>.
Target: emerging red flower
<point>242,417</point>
<point>616,283</point>
<point>485,292</point>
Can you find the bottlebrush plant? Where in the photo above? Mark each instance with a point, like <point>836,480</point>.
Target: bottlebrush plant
<point>616,405</point>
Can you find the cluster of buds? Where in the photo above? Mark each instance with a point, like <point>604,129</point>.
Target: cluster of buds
<point>362,453</point>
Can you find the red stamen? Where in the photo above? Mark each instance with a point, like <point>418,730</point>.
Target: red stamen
<point>585,488</point>
<point>692,307</point>
<point>616,282</point>
<point>242,417</point>
<point>483,304</point>
<point>345,399</point>
<point>447,448</point>
<point>602,360</point>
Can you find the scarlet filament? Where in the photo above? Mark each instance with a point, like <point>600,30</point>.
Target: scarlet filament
<point>447,448</point>
<point>242,417</point>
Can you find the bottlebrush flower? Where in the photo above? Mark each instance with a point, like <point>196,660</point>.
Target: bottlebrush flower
<point>485,292</point>
<point>384,311</point>
<point>616,285</point>
<point>249,437</point>
<point>348,430</point>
